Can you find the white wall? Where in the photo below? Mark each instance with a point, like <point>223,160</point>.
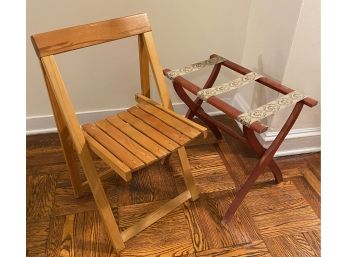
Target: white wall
<point>283,42</point>
<point>302,69</point>
<point>106,76</point>
<point>280,39</point>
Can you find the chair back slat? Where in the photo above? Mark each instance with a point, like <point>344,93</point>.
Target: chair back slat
<point>67,39</point>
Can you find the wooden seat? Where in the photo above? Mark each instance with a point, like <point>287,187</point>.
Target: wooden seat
<point>127,141</point>
<point>139,136</point>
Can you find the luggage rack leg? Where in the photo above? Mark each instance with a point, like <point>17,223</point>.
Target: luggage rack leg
<point>266,159</point>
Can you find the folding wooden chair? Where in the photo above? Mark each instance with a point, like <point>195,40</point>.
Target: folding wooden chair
<point>128,141</point>
<point>249,120</point>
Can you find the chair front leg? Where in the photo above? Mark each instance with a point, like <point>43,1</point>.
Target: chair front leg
<point>187,173</point>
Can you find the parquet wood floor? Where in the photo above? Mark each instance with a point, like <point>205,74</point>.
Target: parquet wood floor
<point>274,220</point>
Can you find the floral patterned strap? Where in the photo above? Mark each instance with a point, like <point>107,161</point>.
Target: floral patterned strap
<point>270,108</point>
<point>204,94</point>
<point>194,67</point>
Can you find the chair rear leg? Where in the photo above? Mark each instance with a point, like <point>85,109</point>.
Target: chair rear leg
<point>186,170</point>
<point>73,169</point>
<point>65,140</point>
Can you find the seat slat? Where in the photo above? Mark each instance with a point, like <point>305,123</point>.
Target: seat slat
<point>114,147</point>
<point>159,125</point>
<point>149,131</point>
<point>138,137</point>
<point>143,99</point>
<point>116,164</point>
<point>170,120</point>
<point>126,141</point>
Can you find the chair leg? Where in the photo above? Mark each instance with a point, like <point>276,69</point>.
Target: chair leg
<point>66,142</point>
<point>186,170</point>
<point>101,200</point>
<point>73,169</point>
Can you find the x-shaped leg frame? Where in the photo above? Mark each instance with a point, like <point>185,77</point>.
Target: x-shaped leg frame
<point>248,136</point>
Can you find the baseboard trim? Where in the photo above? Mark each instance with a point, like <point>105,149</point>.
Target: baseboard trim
<point>298,141</point>
<point>45,123</point>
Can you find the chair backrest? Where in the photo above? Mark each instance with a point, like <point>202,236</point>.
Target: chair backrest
<point>72,38</point>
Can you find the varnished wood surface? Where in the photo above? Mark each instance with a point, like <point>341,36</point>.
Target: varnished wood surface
<point>274,220</point>
<point>67,39</point>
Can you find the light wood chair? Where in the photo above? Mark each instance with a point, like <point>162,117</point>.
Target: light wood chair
<point>128,141</point>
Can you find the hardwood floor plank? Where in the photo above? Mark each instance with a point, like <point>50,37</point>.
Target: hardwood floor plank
<point>254,249</point>
<point>204,217</point>
<point>291,245</point>
<point>274,220</point>
<point>208,170</point>
<point>281,210</point>
<point>36,238</point>
<point>41,195</point>
<point>312,180</point>
<point>55,236</point>
<point>308,193</point>
<point>80,234</point>
<point>314,240</point>
<point>169,236</point>
<point>154,183</point>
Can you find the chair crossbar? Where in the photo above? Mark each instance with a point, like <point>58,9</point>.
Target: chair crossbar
<point>194,67</point>
<point>155,216</point>
<point>204,94</point>
<point>270,108</point>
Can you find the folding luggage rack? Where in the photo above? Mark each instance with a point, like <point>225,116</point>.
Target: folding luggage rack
<point>250,120</point>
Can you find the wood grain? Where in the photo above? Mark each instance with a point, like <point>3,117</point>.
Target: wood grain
<point>114,147</point>
<point>142,99</point>
<point>255,249</point>
<point>36,238</point>
<point>144,67</point>
<point>170,120</point>
<point>274,215</point>
<point>67,39</point>
<point>41,195</point>
<point>281,210</point>
<point>312,180</point>
<point>204,217</point>
<point>292,245</point>
<point>156,67</point>
<point>136,149</point>
<point>80,234</point>
<point>311,197</point>
<point>155,215</point>
<point>149,131</point>
<point>138,137</point>
<point>208,170</point>
<point>169,236</point>
<point>161,126</point>
<point>313,239</point>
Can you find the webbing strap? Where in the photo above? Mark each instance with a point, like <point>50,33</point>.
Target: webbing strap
<point>270,108</point>
<point>194,67</point>
<point>204,94</point>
